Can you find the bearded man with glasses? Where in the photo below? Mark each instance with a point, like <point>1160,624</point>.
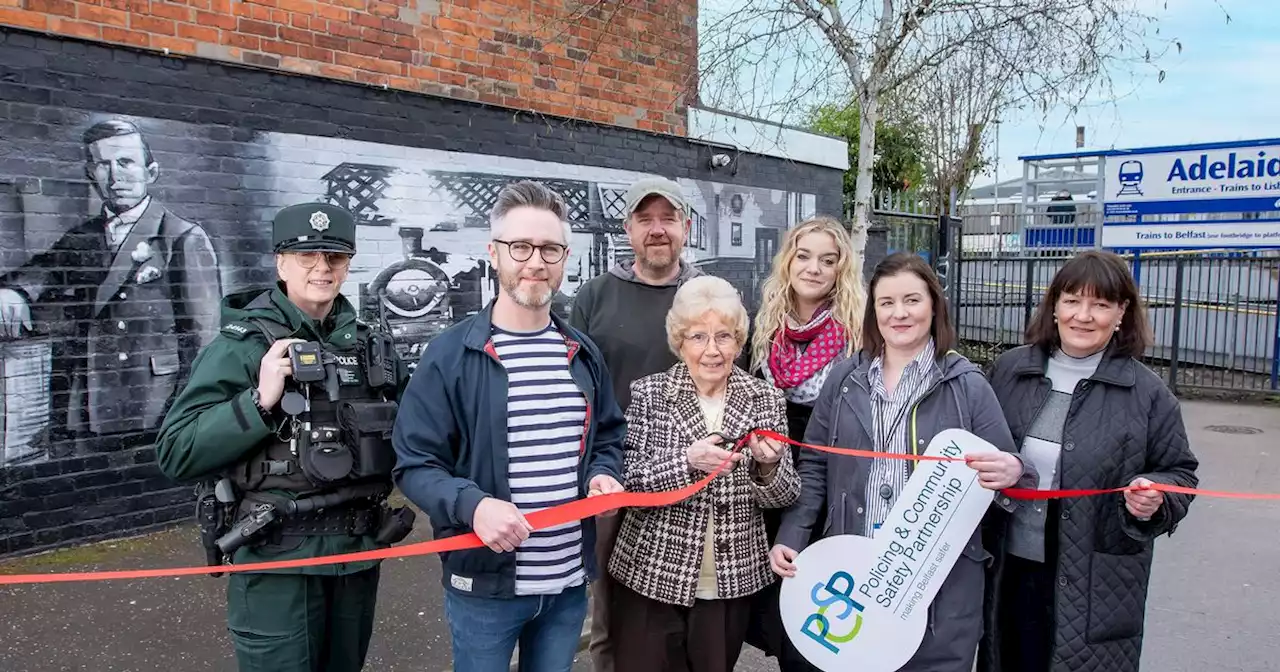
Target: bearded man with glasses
<point>285,424</point>
<point>511,411</point>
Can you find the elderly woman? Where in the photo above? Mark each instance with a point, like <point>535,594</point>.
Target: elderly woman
<point>686,572</point>
<point>1071,583</point>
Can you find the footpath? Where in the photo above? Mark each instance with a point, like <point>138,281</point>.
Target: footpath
<point>1213,588</point>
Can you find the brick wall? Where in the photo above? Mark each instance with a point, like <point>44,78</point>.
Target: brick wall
<point>626,63</point>
<point>218,149</point>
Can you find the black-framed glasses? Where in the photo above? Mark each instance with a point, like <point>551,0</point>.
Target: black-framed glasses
<point>521,250</point>
<point>336,260</point>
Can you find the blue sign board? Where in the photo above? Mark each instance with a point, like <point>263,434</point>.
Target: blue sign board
<point>1207,196</point>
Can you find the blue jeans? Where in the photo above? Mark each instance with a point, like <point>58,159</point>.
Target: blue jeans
<point>485,631</point>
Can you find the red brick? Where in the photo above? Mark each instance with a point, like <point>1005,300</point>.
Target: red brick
<point>198,33</point>
<point>212,20</point>
<point>76,28</point>
<point>173,44</point>
<point>330,42</point>
<point>364,48</point>
<point>333,13</point>
<point>242,41</point>
<point>517,53</point>
<point>344,30</point>
<point>259,28</point>
<point>170,11</point>
<point>385,10</point>
<point>279,48</point>
<point>396,54</point>
<point>122,36</point>
<point>315,54</point>
<point>152,25</point>
<point>23,19</point>
<point>296,36</point>
<point>337,71</point>
<point>54,7</point>
<point>110,17</point>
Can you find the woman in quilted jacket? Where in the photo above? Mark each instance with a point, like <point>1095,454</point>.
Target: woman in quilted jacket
<point>1070,583</point>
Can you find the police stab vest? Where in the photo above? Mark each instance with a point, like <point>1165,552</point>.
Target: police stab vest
<point>331,444</point>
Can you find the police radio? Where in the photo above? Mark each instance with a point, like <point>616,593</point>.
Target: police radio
<point>381,355</point>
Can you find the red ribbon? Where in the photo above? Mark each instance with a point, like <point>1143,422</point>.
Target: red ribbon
<point>579,510</point>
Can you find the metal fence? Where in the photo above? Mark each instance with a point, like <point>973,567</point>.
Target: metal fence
<point>1213,314</point>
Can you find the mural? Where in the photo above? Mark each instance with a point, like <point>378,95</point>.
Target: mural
<point>114,258</point>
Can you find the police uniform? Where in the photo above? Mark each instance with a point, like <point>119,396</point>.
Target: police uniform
<point>293,486</point>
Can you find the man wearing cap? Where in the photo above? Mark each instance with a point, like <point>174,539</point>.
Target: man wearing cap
<point>624,312</point>
<point>297,442</point>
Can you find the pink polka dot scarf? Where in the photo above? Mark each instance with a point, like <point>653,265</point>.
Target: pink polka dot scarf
<point>825,338</point>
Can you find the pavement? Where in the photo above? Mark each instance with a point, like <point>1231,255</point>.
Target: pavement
<point>1215,586</point>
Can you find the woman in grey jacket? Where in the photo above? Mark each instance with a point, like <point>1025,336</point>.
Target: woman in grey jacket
<point>1071,578</point>
<point>905,386</point>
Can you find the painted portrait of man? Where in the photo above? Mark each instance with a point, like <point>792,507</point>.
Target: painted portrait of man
<point>130,296</point>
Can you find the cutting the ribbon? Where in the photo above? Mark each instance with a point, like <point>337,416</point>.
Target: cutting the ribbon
<point>586,508</point>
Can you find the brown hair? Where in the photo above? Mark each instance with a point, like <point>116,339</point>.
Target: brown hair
<point>943,332</point>
<point>1102,275</point>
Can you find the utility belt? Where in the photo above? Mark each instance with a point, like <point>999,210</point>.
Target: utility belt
<point>257,519</point>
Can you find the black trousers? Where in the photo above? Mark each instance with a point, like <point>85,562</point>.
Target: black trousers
<point>1026,617</point>
<point>651,636</point>
<point>765,631</point>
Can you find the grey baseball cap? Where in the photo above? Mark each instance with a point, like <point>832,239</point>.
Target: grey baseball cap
<point>660,186</point>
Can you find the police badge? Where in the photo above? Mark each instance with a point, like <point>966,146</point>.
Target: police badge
<point>319,221</point>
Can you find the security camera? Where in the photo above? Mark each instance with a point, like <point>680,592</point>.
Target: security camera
<point>720,160</point>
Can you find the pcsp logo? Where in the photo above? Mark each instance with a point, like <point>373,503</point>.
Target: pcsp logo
<point>835,592</point>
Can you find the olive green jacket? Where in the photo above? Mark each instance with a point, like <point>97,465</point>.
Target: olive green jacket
<point>213,423</point>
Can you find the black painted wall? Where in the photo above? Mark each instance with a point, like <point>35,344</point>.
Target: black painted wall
<point>228,147</point>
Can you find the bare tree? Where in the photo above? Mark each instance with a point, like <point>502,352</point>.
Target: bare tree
<point>965,59</point>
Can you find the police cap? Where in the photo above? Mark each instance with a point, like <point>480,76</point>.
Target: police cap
<point>307,227</point>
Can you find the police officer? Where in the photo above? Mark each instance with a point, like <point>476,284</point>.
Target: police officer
<point>286,425</point>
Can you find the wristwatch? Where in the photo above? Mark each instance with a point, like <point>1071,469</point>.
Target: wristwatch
<point>256,396</point>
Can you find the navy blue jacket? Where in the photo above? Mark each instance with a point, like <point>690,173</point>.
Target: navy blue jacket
<point>450,439</point>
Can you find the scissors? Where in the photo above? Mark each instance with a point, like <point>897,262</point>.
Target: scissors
<point>733,440</point>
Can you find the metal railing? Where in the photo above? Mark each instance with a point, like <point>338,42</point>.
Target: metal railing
<point>1214,314</point>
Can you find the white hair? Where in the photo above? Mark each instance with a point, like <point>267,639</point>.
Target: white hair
<point>699,296</point>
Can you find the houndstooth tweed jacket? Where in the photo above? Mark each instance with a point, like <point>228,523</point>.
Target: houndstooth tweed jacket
<point>659,550</point>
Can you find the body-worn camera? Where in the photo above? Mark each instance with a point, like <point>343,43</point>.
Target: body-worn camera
<point>338,452</point>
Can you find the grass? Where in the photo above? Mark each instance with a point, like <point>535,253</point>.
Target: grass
<point>90,553</point>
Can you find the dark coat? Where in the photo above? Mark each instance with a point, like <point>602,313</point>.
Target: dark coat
<point>129,322</point>
<point>1123,423</point>
<point>450,439</point>
<point>837,485</point>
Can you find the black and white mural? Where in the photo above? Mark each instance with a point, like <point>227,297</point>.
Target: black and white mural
<point>120,235</point>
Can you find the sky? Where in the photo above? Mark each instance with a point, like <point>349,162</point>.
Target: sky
<point>1225,85</point>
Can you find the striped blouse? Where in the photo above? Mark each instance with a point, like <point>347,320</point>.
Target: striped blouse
<point>891,422</point>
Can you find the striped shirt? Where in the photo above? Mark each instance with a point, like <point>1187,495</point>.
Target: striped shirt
<point>546,416</point>
<point>890,418</point>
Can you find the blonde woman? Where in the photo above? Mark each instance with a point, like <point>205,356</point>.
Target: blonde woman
<point>810,318</point>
